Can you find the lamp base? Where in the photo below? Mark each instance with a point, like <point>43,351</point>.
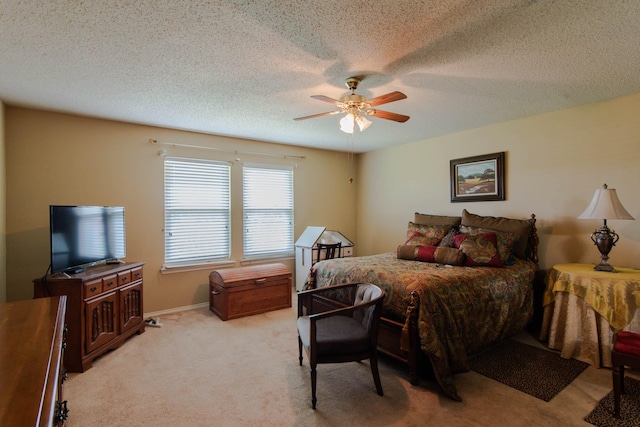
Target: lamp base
<point>605,266</point>
<point>605,239</point>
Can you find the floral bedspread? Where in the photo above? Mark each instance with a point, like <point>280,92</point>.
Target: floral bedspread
<point>463,310</point>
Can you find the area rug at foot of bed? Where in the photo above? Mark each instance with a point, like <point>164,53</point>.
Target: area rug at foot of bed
<point>538,372</point>
<point>602,415</point>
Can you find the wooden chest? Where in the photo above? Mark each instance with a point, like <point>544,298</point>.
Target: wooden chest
<point>244,291</point>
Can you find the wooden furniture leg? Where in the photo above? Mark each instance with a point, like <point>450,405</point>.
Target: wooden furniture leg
<point>626,351</point>
<point>618,388</point>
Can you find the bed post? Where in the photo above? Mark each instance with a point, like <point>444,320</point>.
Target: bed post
<point>413,358</point>
<point>532,244</point>
<point>311,280</point>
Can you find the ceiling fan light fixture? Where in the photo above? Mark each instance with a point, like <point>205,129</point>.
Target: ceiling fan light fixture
<point>362,122</point>
<point>357,107</point>
<point>347,123</point>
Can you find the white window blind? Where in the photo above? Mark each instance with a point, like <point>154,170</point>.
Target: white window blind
<point>197,211</point>
<point>268,211</point>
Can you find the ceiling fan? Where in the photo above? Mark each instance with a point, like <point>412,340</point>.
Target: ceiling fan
<point>357,107</point>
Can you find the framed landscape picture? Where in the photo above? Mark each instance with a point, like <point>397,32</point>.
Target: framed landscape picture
<point>478,178</point>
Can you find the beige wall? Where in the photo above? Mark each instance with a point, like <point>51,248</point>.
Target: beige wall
<point>64,159</point>
<point>554,163</point>
<point>3,210</point>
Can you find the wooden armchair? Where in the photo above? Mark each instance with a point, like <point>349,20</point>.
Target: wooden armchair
<point>340,324</point>
<point>626,351</point>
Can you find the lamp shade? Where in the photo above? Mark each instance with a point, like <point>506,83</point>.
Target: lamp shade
<point>605,205</point>
<point>347,123</point>
<point>362,122</point>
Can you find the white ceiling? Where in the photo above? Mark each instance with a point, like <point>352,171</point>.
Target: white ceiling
<point>246,68</point>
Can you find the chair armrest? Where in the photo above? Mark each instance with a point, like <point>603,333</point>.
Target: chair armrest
<point>342,311</point>
<point>305,298</point>
<point>327,288</point>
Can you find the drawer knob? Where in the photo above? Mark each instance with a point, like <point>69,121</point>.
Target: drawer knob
<point>215,293</point>
<point>94,288</point>
<point>260,281</point>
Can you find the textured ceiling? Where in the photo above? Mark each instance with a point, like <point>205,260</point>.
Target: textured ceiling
<point>246,68</point>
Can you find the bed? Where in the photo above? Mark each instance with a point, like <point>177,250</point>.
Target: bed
<point>441,309</point>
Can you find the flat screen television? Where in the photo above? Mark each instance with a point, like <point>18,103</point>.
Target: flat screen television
<point>85,235</point>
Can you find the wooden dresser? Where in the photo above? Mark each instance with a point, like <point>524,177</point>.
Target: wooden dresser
<point>31,355</point>
<point>104,308</point>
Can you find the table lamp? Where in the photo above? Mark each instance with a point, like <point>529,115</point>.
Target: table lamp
<point>605,205</point>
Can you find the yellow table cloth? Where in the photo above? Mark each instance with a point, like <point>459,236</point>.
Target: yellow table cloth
<point>615,296</point>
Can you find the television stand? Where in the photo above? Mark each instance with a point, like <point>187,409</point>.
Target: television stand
<point>104,309</point>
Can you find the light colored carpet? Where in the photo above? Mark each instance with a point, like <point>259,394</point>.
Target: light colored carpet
<point>197,370</point>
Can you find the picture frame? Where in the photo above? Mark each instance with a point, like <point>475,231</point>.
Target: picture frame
<point>478,178</point>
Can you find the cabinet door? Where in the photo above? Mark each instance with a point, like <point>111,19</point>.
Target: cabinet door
<point>130,306</point>
<point>101,319</point>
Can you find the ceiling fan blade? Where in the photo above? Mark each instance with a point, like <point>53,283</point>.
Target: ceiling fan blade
<point>327,99</point>
<point>387,115</point>
<point>313,116</point>
<point>383,99</point>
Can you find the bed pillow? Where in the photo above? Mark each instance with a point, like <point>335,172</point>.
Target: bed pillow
<point>437,254</point>
<point>447,240</point>
<point>506,241</point>
<point>425,235</point>
<point>480,249</point>
<point>521,227</point>
<point>426,219</point>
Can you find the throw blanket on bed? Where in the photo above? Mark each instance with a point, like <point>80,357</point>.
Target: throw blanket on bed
<point>463,310</point>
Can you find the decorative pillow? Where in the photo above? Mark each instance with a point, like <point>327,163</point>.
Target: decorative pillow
<point>437,254</point>
<point>521,227</point>
<point>480,249</point>
<point>425,235</point>
<point>425,219</point>
<point>447,240</point>
<point>506,241</point>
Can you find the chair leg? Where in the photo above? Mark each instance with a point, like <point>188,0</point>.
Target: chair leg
<point>313,386</point>
<point>300,350</point>
<point>373,360</point>
<point>618,388</point>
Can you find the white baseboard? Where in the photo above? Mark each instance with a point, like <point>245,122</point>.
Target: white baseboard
<point>176,310</point>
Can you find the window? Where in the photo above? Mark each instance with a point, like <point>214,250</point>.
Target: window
<point>197,211</point>
<point>268,211</point>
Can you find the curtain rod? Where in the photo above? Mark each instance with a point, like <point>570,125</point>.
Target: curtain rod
<point>284,156</point>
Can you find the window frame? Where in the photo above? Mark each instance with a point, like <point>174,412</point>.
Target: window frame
<point>285,250</point>
<point>198,210</point>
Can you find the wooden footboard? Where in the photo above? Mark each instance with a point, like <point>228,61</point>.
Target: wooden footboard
<point>405,349</point>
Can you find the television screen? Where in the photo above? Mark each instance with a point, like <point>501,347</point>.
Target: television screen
<point>85,235</point>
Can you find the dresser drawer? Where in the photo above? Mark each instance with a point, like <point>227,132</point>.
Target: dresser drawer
<point>92,288</point>
<point>124,278</point>
<point>136,274</point>
<point>109,283</point>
